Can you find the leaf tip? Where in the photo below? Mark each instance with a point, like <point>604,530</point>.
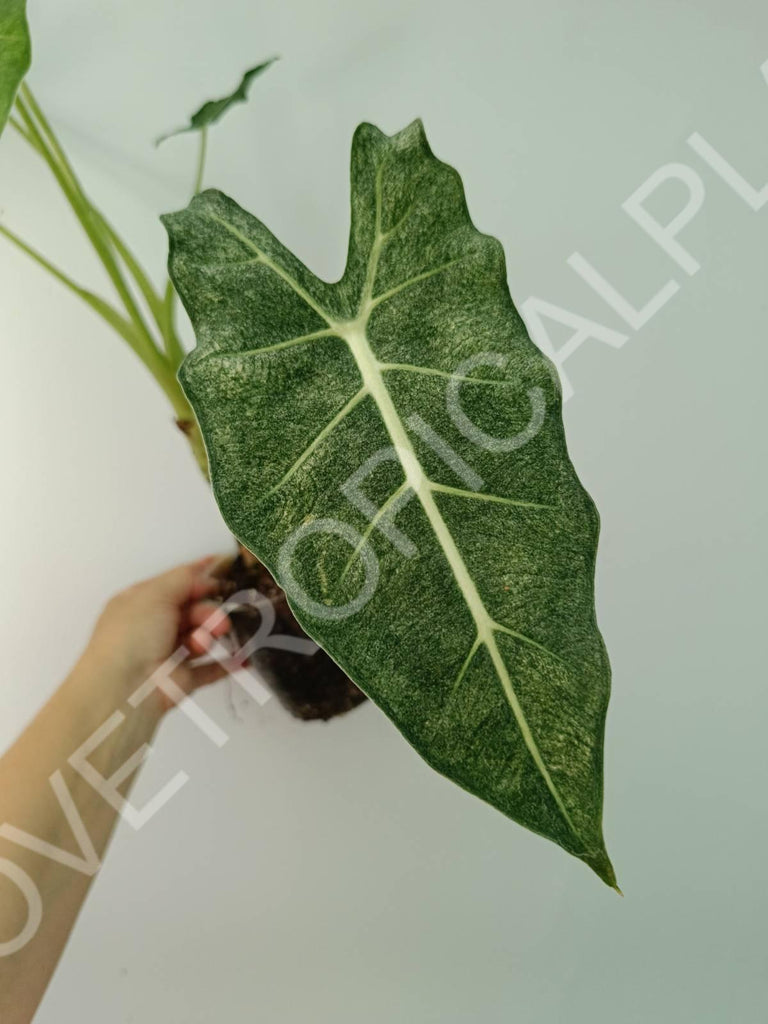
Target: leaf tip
<point>413,130</point>
<point>600,863</point>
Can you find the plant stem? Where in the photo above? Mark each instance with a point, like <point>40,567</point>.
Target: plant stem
<point>93,228</point>
<point>162,311</point>
<point>201,161</point>
<point>36,130</point>
<point>48,132</point>
<point>109,313</point>
<point>173,347</point>
<point>157,304</point>
<point>21,129</point>
<point>191,430</point>
<point>166,378</point>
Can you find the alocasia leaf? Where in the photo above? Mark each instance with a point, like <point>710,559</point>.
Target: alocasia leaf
<point>15,53</point>
<point>213,110</point>
<point>391,446</point>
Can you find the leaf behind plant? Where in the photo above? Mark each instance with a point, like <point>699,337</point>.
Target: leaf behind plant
<point>15,53</point>
<point>213,110</point>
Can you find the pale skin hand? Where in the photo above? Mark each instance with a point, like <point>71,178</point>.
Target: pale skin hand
<point>137,631</point>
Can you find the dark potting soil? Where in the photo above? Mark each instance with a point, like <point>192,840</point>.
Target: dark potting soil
<point>309,686</point>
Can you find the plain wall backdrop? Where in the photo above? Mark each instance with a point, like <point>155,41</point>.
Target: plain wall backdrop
<point>323,872</point>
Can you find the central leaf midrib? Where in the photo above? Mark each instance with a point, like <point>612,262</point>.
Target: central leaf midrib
<point>354,333</point>
<point>373,380</point>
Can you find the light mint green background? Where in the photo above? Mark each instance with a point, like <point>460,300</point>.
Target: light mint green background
<point>323,873</point>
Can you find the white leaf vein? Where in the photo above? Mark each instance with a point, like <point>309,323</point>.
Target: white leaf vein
<point>371,371</point>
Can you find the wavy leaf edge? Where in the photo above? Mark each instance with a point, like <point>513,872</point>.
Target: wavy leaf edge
<point>353,332</point>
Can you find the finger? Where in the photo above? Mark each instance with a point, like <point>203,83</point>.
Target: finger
<point>210,616</point>
<point>202,641</point>
<point>173,586</point>
<point>185,582</point>
<point>201,622</point>
<point>203,675</point>
<point>197,642</point>
<point>204,585</point>
<point>204,562</point>
<point>186,611</point>
<point>211,569</point>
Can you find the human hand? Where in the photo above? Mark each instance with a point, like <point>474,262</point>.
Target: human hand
<point>87,722</point>
<point>142,626</point>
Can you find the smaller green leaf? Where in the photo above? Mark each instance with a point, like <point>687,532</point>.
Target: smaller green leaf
<point>214,110</point>
<point>15,53</point>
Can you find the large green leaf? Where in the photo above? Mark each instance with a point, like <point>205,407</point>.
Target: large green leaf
<point>213,110</point>
<point>410,391</point>
<point>15,53</point>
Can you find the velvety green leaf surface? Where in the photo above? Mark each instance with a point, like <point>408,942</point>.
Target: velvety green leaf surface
<point>15,53</point>
<point>214,110</point>
<point>391,446</point>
